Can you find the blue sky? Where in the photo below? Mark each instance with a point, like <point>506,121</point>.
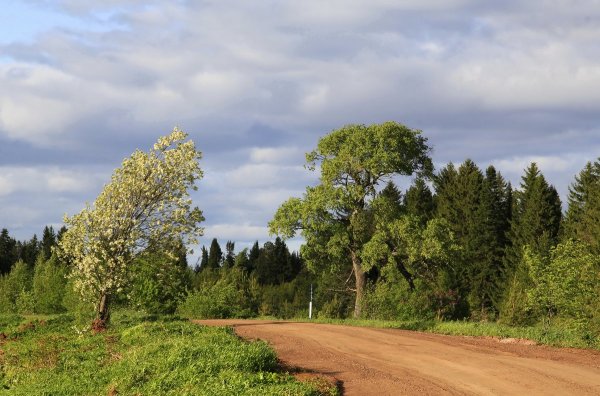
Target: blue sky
<point>255,84</point>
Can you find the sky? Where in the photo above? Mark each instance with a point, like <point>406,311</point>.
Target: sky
<point>256,84</point>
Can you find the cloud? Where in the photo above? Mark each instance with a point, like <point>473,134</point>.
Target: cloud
<point>276,155</point>
<point>43,180</point>
<point>256,85</point>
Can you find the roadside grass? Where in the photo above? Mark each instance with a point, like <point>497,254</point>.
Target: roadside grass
<point>558,334</point>
<point>138,355</point>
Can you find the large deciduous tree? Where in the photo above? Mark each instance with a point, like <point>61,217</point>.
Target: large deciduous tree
<point>145,205</point>
<point>334,216</point>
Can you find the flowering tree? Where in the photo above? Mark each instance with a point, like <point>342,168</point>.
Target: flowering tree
<point>146,204</point>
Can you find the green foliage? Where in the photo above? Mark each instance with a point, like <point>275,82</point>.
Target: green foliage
<point>286,300</point>
<point>486,276</point>
<point>221,293</point>
<point>418,201</point>
<point>159,283</point>
<point>391,298</point>
<point>166,357</point>
<point>7,251</point>
<point>566,283</point>
<point>49,282</point>
<point>14,287</point>
<point>583,215</point>
<point>335,216</point>
<point>215,255</point>
<point>535,223</point>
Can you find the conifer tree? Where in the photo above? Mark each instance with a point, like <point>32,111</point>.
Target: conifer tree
<point>203,260</point>
<point>229,254</point>
<point>458,199</point>
<point>445,193</point>
<point>418,201</point>
<point>535,223</point>
<point>28,250</point>
<point>7,251</point>
<point>536,216</point>
<point>215,255</point>
<point>48,241</point>
<point>582,220</point>
<point>493,217</point>
<point>253,256</point>
<point>242,261</point>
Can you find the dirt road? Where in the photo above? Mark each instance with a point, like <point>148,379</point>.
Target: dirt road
<point>370,361</point>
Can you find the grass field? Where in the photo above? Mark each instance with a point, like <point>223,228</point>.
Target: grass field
<point>137,356</point>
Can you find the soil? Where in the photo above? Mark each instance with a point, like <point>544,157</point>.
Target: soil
<point>368,361</point>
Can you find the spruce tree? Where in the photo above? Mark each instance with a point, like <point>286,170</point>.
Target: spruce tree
<point>242,261</point>
<point>28,250</point>
<point>253,256</point>
<point>582,220</point>
<point>265,267</point>
<point>493,218</point>
<point>458,200</point>
<point>284,271</point>
<point>535,223</point>
<point>48,241</point>
<point>215,255</point>
<point>204,258</point>
<point>418,201</point>
<point>445,192</point>
<point>7,251</point>
<point>229,254</point>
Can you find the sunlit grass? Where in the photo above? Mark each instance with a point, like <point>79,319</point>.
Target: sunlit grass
<point>136,356</point>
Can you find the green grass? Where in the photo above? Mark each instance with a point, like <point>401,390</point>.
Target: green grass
<point>559,334</point>
<point>136,356</point>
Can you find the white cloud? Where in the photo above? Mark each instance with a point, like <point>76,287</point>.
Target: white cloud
<point>277,155</point>
<point>236,232</point>
<point>505,82</point>
<point>45,180</point>
<point>265,175</point>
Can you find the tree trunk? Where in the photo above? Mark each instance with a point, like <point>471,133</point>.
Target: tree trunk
<point>407,275</point>
<point>103,314</point>
<point>361,280</point>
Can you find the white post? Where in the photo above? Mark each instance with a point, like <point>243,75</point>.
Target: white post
<point>310,304</point>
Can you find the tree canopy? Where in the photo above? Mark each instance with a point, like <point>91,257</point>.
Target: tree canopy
<point>146,204</point>
<point>334,216</point>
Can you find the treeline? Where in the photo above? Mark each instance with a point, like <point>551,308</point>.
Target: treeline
<point>12,250</point>
<point>475,247</point>
<point>262,280</point>
<point>464,244</point>
<point>266,280</point>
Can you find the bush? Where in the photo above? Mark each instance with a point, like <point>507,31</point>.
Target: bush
<point>159,283</point>
<point>222,293</point>
<point>15,284</point>
<point>49,285</point>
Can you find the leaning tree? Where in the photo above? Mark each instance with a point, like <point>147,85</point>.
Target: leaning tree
<point>335,216</point>
<point>146,204</point>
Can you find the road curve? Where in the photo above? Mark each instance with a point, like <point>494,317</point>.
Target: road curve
<point>370,361</point>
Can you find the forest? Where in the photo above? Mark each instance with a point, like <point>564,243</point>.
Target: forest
<point>461,243</point>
